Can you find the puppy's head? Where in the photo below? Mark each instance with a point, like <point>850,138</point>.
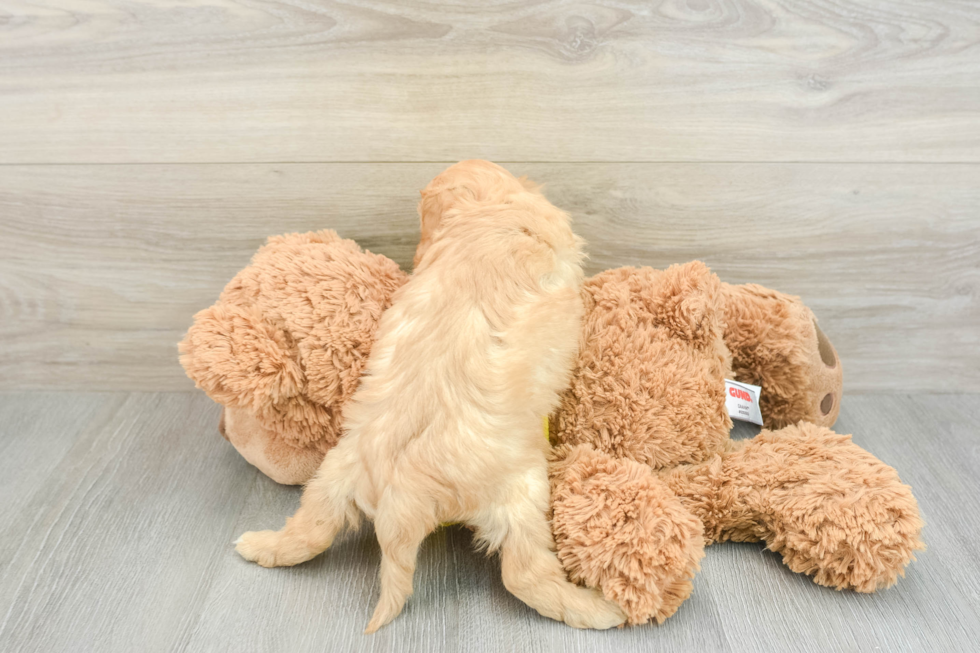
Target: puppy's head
<point>474,181</point>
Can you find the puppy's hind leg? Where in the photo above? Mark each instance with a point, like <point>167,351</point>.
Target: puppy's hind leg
<point>531,570</point>
<point>324,509</point>
<point>401,523</point>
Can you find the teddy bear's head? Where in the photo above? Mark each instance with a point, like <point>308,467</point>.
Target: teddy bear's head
<point>283,348</point>
<point>776,344</point>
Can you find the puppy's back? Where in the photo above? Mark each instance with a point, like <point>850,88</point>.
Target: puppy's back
<point>485,331</point>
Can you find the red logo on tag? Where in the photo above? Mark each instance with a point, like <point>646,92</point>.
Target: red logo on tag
<point>740,394</point>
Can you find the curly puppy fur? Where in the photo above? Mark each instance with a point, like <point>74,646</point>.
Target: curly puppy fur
<point>445,425</point>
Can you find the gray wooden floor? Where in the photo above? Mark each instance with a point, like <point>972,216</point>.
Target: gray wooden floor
<point>119,510</point>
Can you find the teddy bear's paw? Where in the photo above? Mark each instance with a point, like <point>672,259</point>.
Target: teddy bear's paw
<point>271,549</point>
<point>861,542</point>
<point>830,508</point>
<point>672,595</point>
<point>591,610</point>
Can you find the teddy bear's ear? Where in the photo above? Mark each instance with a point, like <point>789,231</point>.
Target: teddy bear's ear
<point>687,302</point>
<point>239,359</point>
<point>243,361</point>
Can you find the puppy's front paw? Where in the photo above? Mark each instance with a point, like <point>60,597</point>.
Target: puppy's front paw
<point>259,546</point>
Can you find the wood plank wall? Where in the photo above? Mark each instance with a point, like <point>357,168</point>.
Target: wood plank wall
<point>827,148</point>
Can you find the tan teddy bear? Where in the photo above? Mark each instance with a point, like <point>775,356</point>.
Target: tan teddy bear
<point>643,472</point>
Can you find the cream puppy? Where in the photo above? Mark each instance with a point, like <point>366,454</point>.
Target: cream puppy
<point>446,424</point>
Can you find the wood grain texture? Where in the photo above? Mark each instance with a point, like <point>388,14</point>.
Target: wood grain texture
<point>100,549</point>
<point>610,80</point>
<point>103,267</point>
<point>121,541</point>
<point>37,438</point>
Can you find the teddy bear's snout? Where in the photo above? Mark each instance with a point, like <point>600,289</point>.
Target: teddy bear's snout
<point>827,353</point>
<point>827,404</point>
<point>221,425</point>
<point>828,356</point>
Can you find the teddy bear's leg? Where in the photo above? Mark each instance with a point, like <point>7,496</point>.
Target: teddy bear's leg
<point>830,508</point>
<point>775,343</point>
<point>619,528</point>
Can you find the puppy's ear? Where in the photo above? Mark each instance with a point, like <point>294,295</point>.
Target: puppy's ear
<point>441,195</point>
<point>531,186</point>
<point>434,203</point>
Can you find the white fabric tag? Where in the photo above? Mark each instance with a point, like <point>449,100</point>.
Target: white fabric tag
<point>742,401</point>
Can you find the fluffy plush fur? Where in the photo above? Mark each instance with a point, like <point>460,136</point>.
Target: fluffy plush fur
<point>644,448</point>
<point>830,508</point>
<point>284,347</point>
<point>446,423</point>
<point>619,528</point>
<point>643,473</point>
